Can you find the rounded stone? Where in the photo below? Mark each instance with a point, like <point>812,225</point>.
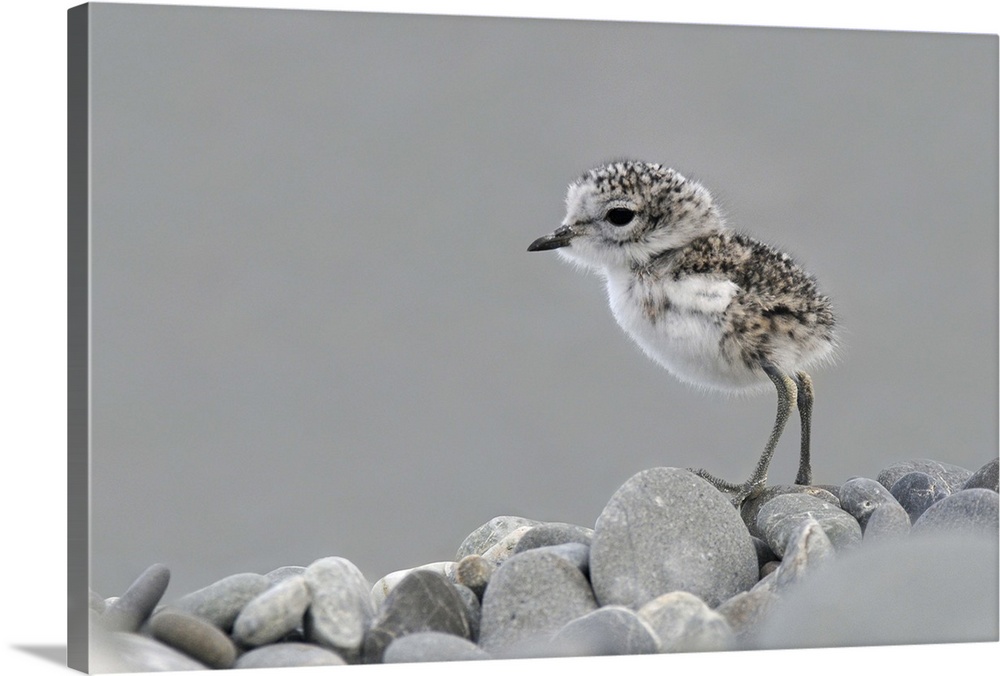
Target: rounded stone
<point>288,655</point>
<point>779,519</point>
<point>985,477</point>
<point>808,549</point>
<point>886,522</point>
<point>341,607</point>
<point>504,549</point>
<point>432,646</point>
<point>274,613</point>
<point>575,553</point>
<point>918,590</point>
<point>490,533</point>
<point>684,623</point>
<point>916,491</point>
<point>548,534</point>
<point>529,598</point>
<point>611,630</point>
<point>195,637</point>
<point>422,601</point>
<point>385,585</point>
<point>859,497</point>
<point>666,529</point>
<point>220,602</point>
<point>953,476</point>
<point>474,572</point>
<point>473,609</point>
<point>972,511</point>
<point>752,506</point>
<point>131,609</point>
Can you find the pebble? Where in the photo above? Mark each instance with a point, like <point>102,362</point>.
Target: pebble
<point>549,534</point>
<point>684,623</point>
<point>504,549</point>
<point>220,602</point>
<point>611,630</point>
<point>384,586</point>
<point>529,598</point>
<point>753,505</point>
<point>474,572</point>
<point>274,613</point>
<point>953,476</point>
<point>809,548</point>
<point>665,530</point>
<point>859,497</point>
<point>973,511</point>
<point>473,609</point>
<point>985,477</point>
<point>490,533</point>
<point>575,553</point>
<point>131,609</point>
<point>422,601</point>
<point>888,521</point>
<point>341,607</point>
<point>194,636</point>
<point>288,655</point>
<point>916,491</point>
<point>432,646</point>
<point>778,520</point>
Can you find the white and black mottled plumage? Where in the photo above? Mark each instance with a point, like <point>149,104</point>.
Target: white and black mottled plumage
<point>716,308</point>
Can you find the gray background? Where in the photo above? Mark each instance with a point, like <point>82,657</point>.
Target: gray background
<point>316,330</point>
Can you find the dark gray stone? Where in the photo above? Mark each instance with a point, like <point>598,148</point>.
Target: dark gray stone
<point>529,598</point>
<point>916,590</point>
<point>490,533</point>
<point>764,552</point>
<point>387,583</point>
<point>750,507</point>
<point>611,630</point>
<point>195,637</point>
<point>131,609</point>
<point>780,518</point>
<point>665,530</point>
<point>886,522</point>
<point>432,646</point>
<point>549,534</point>
<point>474,572</point>
<point>473,609</point>
<point>953,476</point>
<point>220,602</point>
<point>859,497</point>
<point>274,613</point>
<point>422,601</point>
<point>985,477</point>
<point>341,607</point>
<point>973,511</point>
<point>288,655</point>
<point>916,491</point>
<point>684,623</point>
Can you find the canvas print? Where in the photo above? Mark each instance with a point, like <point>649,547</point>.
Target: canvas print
<point>410,338</point>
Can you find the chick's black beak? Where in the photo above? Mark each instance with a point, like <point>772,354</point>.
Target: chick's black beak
<point>560,238</point>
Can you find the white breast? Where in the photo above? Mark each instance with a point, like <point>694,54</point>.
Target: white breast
<point>676,323</point>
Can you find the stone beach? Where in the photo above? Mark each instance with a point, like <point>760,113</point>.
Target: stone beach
<point>667,566</point>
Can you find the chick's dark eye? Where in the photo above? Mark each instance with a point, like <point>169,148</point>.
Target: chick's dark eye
<point>620,216</point>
